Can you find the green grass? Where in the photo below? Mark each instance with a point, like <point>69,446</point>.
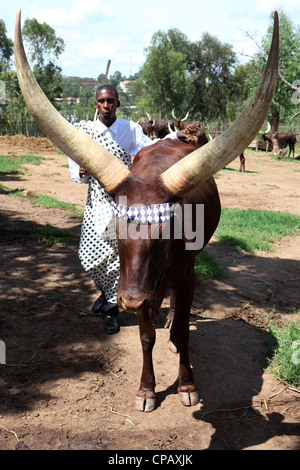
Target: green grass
<point>284,363</point>
<point>14,165</point>
<point>207,267</point>
<point>287,159</point>
<point>53,236</point>
<point>255,230</point>
<point>46,201</point>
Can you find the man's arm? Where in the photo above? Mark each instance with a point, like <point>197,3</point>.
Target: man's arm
<point>77,174</point>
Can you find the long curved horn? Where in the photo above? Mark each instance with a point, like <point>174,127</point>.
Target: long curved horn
<point>94,158</point>
<point>267,131</point>
<point>212,157</point>
<point>173,114</point>
<point>185,117</point>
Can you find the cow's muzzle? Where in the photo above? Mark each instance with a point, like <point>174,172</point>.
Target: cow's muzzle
<point>132,303</point>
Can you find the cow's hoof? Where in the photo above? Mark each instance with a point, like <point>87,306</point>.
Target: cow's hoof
<point>145,404</point>
<point>189,399</point>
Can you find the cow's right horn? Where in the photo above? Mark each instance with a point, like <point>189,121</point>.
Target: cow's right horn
<point>204,162</point>
<point>94,158</point>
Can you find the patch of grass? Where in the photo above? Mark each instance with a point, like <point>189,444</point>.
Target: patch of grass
<point>207,267</point>
<point>13,192</point>
<point>286,159</point>
<point>284,362</point>
<point>14,165</point>
<point>255,230</point>
<point>46,201</point>
<point>51,235</point>
<point>49,175</point>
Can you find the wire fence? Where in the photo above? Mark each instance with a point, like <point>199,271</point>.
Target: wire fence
<point>30,129</point>
<point>27,128</point>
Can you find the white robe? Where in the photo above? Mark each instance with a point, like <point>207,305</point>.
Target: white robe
<point>98,250</point>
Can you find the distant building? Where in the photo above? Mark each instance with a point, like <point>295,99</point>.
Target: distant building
<point>124,83</point>
<point>88,82</point>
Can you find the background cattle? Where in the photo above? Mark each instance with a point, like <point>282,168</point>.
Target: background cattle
<point>181,124</point>
<point>147,128</point>
<point>285,139</point>
<point>157,128</point>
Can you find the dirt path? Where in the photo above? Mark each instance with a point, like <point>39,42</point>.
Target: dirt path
<point>66,385</point>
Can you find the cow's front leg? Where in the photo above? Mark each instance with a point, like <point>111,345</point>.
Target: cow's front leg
<point>180,338</point>
<point>145,398</point>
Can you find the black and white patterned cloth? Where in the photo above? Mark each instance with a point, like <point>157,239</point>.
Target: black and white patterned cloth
<point>98,250</point>
<point>146,214</point>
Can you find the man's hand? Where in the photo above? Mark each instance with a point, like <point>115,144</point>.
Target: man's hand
<point>82,172</point>
<point>181,135</point>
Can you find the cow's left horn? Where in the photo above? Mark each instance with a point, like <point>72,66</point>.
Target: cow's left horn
<point>186,116</point>
<point>94,158</point>
<point>215,155</point>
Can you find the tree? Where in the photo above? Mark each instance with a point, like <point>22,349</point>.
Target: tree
<point>44,47</point>
<point>241,91</point>
<point>198,76</point>
<point>282,106</point>
<point>42,42</point>
<point>50,80</point>
<point>211,65</point>
<point>6,48</point>
<point>289,68</point>
<point>164,73</point>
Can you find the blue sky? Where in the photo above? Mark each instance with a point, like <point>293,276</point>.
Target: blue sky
<point>95,31</point>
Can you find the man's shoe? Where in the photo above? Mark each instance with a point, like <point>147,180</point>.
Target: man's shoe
<point>99,304</point>
<point>110,324</point>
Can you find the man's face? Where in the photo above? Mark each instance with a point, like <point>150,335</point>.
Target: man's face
<point>107,105</point>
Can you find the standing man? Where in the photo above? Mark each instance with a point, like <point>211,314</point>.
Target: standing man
<point>98,250</point>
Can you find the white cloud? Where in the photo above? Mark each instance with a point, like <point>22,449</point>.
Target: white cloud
<point>146,38</point>
<point>79,13</point>
<point>98,50</point>
<point>267,6</point>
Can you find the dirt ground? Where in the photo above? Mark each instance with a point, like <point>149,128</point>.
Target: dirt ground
<point>68,386</point>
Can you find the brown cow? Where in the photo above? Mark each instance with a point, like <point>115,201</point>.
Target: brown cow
<point>160,127</point>
<point>284,139</point>
<point>147,128</point>
<point>147,269</point>
<point>182,124</point>
<point>181,175</point>
<point>194,135</point>
<point>242,162</point>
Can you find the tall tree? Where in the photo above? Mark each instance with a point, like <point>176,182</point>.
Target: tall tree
<point>211,65</point>
<point>164,72</point>
<point>282,106</point>
<point>44,49</point>
<point>289,69</point>
<point>6,48</point>
<point>44,46</point>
